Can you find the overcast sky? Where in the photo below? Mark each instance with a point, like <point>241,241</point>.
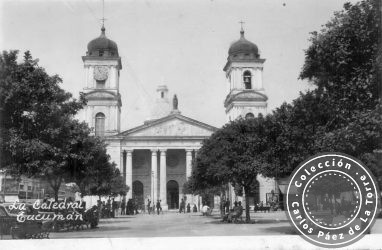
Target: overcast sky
<point>183,44</point>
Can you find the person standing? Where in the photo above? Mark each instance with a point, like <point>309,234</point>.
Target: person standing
<point>227,203</point>
<point>123,206</point>
<point>159,208</point>
<point>182,206</point>
<point>113,208</point>
<point>148,206</point>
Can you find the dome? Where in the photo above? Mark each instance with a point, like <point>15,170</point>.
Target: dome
<point>243,46</point>
<point>102,46</point>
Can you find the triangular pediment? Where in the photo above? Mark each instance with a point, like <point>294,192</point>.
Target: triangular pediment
<point>174,125</point>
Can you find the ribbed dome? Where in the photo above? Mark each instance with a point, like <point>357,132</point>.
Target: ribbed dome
<point>243,46</point>
<point>102,46</point>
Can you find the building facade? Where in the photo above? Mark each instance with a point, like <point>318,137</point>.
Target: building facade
<point>246,98</point>
<point>156,157</point>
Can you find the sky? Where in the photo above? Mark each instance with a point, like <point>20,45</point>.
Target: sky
<point>182,44</point>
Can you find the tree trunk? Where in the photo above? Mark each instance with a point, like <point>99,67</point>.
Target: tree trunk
<point>247,215</point>
<point>56,195</point>
<point>55,184</point>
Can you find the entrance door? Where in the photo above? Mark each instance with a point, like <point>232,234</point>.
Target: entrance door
<point>172,194</point>
<point>138,193</point>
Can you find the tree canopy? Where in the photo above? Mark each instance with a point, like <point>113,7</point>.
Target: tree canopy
<point>40,137</point>
<point>231,155</point>
<point>343,113</point>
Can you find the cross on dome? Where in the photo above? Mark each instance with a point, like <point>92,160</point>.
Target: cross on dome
<point>242,29</point>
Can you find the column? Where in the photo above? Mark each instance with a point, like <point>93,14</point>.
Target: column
<point>121,163</point>
<point>188,162</point>
<point>129,173</point>
<point>1,182</point>
<point>163,179</point>
<point>154,176</point>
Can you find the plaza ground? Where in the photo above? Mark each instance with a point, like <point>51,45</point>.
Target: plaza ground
<point>172,224</point>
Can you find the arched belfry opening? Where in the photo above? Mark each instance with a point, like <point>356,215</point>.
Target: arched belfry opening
<point>247,78</point>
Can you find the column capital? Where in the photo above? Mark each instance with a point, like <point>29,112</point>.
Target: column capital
<point>163,150</point>
<point>127,151</point>
<point>154,151</point>
<point>189,150</point>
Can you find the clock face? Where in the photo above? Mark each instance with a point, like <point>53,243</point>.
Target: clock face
<point>101,73</point>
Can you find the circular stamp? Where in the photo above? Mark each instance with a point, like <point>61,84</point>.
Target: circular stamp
<point>332,200</point>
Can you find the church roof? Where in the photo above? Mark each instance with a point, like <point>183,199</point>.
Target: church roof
<point>173,125</point>
<point>243,46</point>
<point>102,46</point>
<point>242,51</point>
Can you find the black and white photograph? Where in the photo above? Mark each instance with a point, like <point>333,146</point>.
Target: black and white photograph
<point>205,124</point>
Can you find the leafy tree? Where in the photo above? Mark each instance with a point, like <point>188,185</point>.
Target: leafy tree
<point>292,130</point>
<point>100,176</point>
<point>39,134</point>
<point>40,137</point>
<point>231,155</point>
<point>342,62</point>
<point>361,138</point>
<point>340,114</point>
<point>118,185</point>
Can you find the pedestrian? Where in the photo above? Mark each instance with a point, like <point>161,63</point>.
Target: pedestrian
<point>113,208</point>
<point>108,207</point>
<point>148,206</point>
<point>136,206</point>
<point>227,203</point>
<point>153,208</point>
<point>103,209</point>
<point>123,207</point>
<point>159,208</point>
<point>182,206</point>
<point>188,208</point>
<point>194,209</point>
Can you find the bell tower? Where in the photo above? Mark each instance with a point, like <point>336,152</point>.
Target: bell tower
<point>102,70</point>
<point>244,73</point>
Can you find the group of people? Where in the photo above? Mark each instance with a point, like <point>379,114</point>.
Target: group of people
<point>129,208</point>
<point>183,207</point>
<point>224,206</point>
<point>108,209</point>
<point>151,207</point>
<point>112,208</point>
<point>235,213</point>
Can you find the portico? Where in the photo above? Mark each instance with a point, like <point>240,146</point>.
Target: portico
<point>156,158</point>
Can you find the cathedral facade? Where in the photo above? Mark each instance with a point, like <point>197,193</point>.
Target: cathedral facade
<point>156,157</point>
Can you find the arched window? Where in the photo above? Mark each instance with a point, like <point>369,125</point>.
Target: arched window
<point>247,77</point>
<point>249,116</point>
<point>100,124</point>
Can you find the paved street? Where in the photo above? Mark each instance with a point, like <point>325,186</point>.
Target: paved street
<point>174,224</point>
